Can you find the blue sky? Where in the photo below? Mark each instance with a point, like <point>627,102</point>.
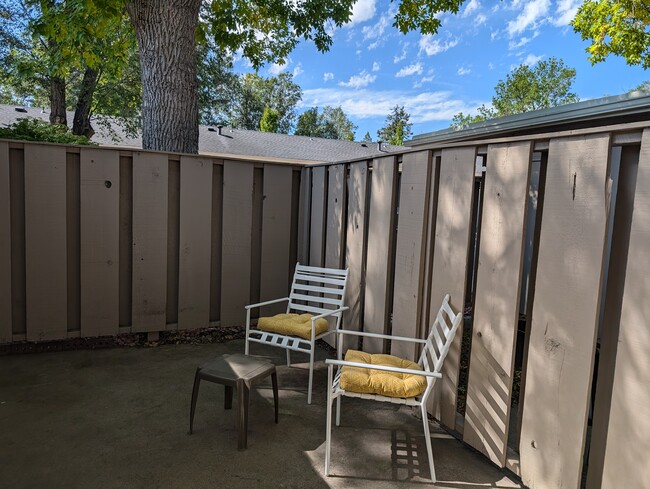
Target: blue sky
<point>372,66</point>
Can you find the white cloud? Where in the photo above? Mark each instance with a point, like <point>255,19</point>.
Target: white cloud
<point>533,12</point>
<point>565,12</point>
<point>275,69</point>
<point>522,42</point>
<point>414,69</point>
<point>422,81</point>
<point>376,66</point>
<point>494,35</point>
<point>365,103</point>
<point>298,70</point>
<point>328,76</point>
<point>361,80</point>
<point>462,71</point>
<point>480,19</point>
<point>397,59</point>
<point>432,46</point>
<point>362,11</point>
<point>531,59</point>
<point>472,7</point>
<point>490,66</point>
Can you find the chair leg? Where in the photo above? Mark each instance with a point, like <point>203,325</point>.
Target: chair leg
<point>311,371</point>
<point>427,439</point>
<point>242,424</point>
<point>274,379</point>
<point>227,397</point>
<point>328,423</point>
<point>338,411</point>
<point>195,394</point>
<point>248,328</point>
<point>288,357</point>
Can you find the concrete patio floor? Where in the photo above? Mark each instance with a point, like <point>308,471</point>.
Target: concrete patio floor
<point>119,419</point>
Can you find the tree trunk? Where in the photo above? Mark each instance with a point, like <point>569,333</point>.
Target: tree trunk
<point>57,101</point>
<point>166,34</point>
<point>81,122</point>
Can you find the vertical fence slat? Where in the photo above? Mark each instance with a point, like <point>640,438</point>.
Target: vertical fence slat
<point>409,254</point>
<point>318,216</point>
<point>5,246</point>
<point>150,191</point>
<point>304,216</point>
<point>100,206</point>
<point>335,224</point>
<point>236,241</point>
<point>45,242</point>
<point>195,237</point>
<point>354,248</point>
<point>496,308</point>
<point>380,233</point>
<point>628,440</point>
<point>565,313</point>
<point>453,217</point>
<point>276,233</point>
<point>217,230</point>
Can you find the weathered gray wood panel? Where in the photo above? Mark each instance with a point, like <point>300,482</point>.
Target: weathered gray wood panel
<point>628,435</point>
<point>236,241</point>
<point>5,246</point>
<point>195,238</point>
<point>496,308</point>
<point>453,218</point>
<point>150,191</point>
<point>45,242</point>
<point>304,216</point>
<point>380,246</point>
<point>276,234</point>
<point>409,254</point>
<point>318,217</point>
<point>217,231</point>
<point>565,313</point>
<point>335,236</point>
<point>100,227</point>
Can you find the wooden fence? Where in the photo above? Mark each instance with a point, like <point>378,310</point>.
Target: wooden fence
<point>554,237</point>
<point>100,241</point>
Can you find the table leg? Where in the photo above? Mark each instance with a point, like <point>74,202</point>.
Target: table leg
<point>243,395</point>
<point>227,401</point>
<point>195,394</point>
<point>274,379</point>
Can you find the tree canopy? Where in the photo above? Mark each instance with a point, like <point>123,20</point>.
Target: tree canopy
<point>397,127</point>
<point>331,123</point>
<point>547,84</point>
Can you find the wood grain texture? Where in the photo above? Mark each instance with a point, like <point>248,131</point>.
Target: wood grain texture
<point>496,308</point>
<point>150,193</point>
<point>409,250</point>
<point>45,242</point>
<point>5,246</point>
<point>355,245</point>
<point>318,216</point>
<point>304,216</point>
<point>236,241</point>
<point>195,238</point>
<point>628,436</point>
<point>276,233</point>
<point>380,246</point>
<point>217,231</point>
<point>335,236</point>
<point>453,217</point>
<point>100,228</point>
<point>565,313</point>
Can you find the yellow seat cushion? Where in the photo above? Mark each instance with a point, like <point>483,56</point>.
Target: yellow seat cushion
<point>292,325</point>
<point>390,384</point>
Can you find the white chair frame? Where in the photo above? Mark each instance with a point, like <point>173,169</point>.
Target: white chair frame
<point>330,285</point>
<point>434,350</point>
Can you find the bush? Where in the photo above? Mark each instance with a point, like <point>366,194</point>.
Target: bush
<point>38,130</point>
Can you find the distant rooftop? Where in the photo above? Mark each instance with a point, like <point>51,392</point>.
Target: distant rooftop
<point>232,141</point>
<point>630,107</point>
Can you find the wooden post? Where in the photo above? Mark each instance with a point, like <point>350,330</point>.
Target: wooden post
<point>5,246</point>
<point>318,217</point>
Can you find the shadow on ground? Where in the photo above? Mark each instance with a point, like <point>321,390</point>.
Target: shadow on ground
<point>119,419</point>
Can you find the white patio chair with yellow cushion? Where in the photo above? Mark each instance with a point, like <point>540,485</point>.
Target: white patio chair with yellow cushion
<point>387,378</point>
<point>316,294</point>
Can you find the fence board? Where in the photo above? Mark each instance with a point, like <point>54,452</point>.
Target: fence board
<point>565,313</point>
<point>45,242</point>
<point>453,217</point>
<point>195,237</point>
<point>409,254</point>
<point>496,308</point>
<point>236,241</point>
<point>318,217</point>
<point>126,240</point>
<point>304,216</point>
<point>380,234</point>
<point>628,443</point>
<point>335,237</point>
<point>276,233</point>
<point>355,239</point>
<point>100,226</point>
<point>150,191</point>
<point>5,246</point>
<point>215,245</point>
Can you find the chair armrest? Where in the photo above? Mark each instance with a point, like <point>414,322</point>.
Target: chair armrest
<point>413,371</point>
<point>261,304</point>
<point>329,313</point>
<point>383,336</point>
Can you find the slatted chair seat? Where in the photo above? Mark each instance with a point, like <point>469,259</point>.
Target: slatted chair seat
<point>316,294</point>
<point>392,376</point>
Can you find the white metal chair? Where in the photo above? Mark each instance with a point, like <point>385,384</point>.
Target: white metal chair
<point>435,349</point>
<point>315,290</point>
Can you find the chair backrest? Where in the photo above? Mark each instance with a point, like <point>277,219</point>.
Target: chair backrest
<point>317,290</point>
<point>440,337</point>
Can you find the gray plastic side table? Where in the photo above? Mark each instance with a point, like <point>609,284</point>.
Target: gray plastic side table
<point>237,371</point>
